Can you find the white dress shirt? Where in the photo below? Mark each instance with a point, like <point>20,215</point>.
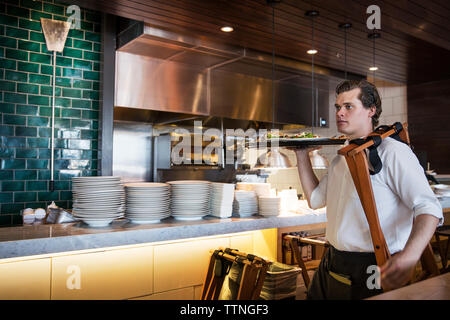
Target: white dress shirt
<point>401,193</point>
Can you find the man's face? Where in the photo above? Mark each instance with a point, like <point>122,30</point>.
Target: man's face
<point>352,119</point>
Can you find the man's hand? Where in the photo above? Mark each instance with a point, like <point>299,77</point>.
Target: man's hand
<point>397,271</point>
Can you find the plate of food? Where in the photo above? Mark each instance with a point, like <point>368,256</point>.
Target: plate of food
<point>303,139</point>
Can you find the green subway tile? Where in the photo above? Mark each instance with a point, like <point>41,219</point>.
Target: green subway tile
<point>40,58</point>
<point>26,109</point>
<point>27,66</point>
<point>12,164</point>
<point>48,91</point>
<point>36,185</point>
<point>14,142</point>
<point>38,121</point>
<point>91,75</point>
<point>39,100</point>
<point>79,144</point>
<point>13,119</point>
<point>92,16</point>
<point>74,53</point>
<point>94,144</point>
<point>8,20</point>
<point>7,85</point>
<point>25,196</point>
<point>29,45</point>
<point>6,197</point>
<point>73,33</point>
<point>37,36</point>
<point>44,132</point>
<point>61,143</point>
<point>25,174</point>
<point>62,123</point>
<point>72,93</point>
<point>7,107</point>
<point>27,88</point>
<point>65,195</point>
<point>18,12</point>
<point>80,44</point>
<point>13,186</point>
<point>35,205</point>
<point>32,4</point>
<point>16,76</point>
<point>26,153</point>
<point>63,62</point>
<point>71,113</point>
<point>2,30</point>
<point>46,69</point>
<point>61,18</point>
<point>46,153</point>
<point>92,36</point>
<point>12,208</point>
<point>45,175</point>
<point>80,124</point>
<point>69,42</point>
<point>82,64</point>
<point>82,84</point>
<point>96,66</point>
<point>62,185</point>
<point>70,154</point>
<point>47,111</point>
<point>30,24</point>
<point>14,97</point>
<point>95,105</point>
<point>84,104</point>
<point>88,26</point>
<point>8,42</point>
<point>48,196</point>
<point>91,55</point>
<point>38,142</point>
<point>36,15</point>
<point>26,132</point>
<point>88,114</point>
<point>37,164</point>
<point>6,174</point>
<point>62,164</point>
<point>90,94</point>
<point>69,133</point>
<point>51,8</point>
<point>64,82</point>
<point>6,153</point>
<point>89,134</point>
<point>16,54</point>
<point>97,47</point>
<point>39,79</point>
<point>7,130</point>
<point>72,73</point>
<point>8,64</point>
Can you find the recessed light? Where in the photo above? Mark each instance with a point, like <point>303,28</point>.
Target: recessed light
<point>373,68</point>
<point>311,51</point>
<point>227,29</point>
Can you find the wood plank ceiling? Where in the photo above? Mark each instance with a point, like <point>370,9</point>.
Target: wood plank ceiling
<point>415,35</point>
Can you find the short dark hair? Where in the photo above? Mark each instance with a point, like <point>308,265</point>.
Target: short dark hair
<point>368,95</point>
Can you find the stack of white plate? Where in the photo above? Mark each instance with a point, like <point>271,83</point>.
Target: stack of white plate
<point>222,196</point>
<point>147,202</point>
<point>441,190</point>
<point>190,199</point>
<point>261,189</point>
<point>245,203</point>
<point>269,206</point>
<point>97,201</point>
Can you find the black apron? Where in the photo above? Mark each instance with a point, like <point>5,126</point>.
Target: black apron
<point>343,275</point>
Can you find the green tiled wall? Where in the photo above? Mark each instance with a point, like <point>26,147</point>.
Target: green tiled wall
<point>25,104</point>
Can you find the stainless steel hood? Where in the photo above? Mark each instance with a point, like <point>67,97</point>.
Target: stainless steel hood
<point>164,71</point>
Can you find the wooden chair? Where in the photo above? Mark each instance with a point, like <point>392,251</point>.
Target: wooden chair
<point>443,231</point>
<point>356,158</point>
<point>253,274</point>
<point>294,243</point>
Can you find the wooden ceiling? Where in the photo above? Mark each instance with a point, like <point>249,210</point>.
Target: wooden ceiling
<point>415,35</point>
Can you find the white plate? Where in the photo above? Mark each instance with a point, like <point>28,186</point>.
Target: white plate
<point>188,218</point>
<point>97,223</point>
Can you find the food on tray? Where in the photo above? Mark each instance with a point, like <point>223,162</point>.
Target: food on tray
<point>295,136</point>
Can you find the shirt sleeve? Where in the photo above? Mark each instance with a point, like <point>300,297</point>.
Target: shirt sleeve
<point>408,181</point>
<point>319,194</point>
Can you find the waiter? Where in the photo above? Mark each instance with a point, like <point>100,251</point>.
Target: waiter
<point>407,208</point>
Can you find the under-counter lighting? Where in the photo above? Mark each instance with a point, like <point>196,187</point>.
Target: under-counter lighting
<point>227,29</point>
<point>311,51</point>
<point>373,68</point>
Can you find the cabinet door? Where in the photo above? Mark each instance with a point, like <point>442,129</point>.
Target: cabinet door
<point>115,274</point>
<point>25,280</point>
<point>184,264</point>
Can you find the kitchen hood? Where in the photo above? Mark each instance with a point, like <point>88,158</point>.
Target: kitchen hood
<point>163,71</point>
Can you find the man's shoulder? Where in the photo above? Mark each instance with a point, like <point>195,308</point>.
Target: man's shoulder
<point>394,148</point>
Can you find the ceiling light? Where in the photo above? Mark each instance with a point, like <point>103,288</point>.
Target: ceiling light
<point>311,51</point>
<point>373,68</point>
<point>227,29</point>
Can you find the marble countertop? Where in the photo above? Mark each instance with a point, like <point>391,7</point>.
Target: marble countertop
<point>53,238</point>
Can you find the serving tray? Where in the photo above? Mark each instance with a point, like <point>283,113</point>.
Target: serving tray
<point>304,142</point>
